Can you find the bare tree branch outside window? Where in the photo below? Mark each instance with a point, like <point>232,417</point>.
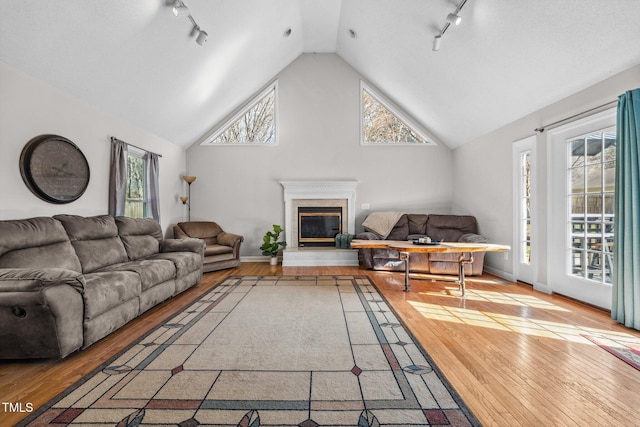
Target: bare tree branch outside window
<point>257,126</point>
<point>381,126</point>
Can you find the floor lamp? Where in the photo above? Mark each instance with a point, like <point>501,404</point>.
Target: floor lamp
<point>186,200</point>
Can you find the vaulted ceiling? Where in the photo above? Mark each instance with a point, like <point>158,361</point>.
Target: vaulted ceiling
<point>505,60</point>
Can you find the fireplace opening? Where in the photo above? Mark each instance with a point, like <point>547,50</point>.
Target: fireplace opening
<point>318,226</point>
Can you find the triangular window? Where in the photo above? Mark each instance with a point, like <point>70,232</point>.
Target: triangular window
<point>255,123</point>
<point>383,124</point>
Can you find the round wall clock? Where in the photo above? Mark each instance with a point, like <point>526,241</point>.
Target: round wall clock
<point>54,169</point>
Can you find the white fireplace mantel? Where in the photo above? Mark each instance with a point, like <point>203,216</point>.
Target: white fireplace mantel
<point>318,190</point>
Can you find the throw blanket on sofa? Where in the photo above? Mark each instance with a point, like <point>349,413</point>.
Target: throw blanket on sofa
<point>381,223</point>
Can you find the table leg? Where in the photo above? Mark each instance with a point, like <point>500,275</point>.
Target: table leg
<point>404,256</point>
<point>461,262</point>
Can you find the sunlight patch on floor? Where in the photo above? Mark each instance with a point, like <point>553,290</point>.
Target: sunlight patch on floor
<point>496,298</point>
<point>523,323</point>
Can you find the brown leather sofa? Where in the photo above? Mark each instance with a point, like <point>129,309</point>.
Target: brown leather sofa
<point>448,228</point>
<point>222,249</point>
<point>67,281</point>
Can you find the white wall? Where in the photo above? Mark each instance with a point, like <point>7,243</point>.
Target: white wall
<point>319,106</point>
<point>483,169</point>
<point>31,107</point>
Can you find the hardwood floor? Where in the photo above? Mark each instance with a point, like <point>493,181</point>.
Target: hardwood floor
<point>515,356</point>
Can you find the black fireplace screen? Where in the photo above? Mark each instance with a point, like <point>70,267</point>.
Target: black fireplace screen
<point>318,226</point>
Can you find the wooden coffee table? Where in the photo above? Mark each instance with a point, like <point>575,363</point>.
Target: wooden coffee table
<point>465,250</point>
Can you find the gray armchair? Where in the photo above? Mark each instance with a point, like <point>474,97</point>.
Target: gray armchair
<point>222,249</point>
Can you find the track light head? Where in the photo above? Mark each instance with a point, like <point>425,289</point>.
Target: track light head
<point>180,10</point>
<point>452,18</point>
<point>202,38</point>
<point>436,42</point>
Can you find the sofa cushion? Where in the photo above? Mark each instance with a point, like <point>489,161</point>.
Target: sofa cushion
<point>152,272</point>
<point>109,289</point>
<point>417,223</point>
<point>36,243</point>
<point>185,262</point>
<point>210,250</point>
<point>95,240</point>
<point>201,229</point>
<point>450,227</point>
<point>141,236</point>
<point>401,230</point>
<point>383,223</point>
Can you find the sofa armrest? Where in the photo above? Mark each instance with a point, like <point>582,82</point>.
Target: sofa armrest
<point>41,312</point>
<point>178,233</point>
<point>229,239</point>
<point>367,235</point>
<point>182,245</point>
<point>36,279</point>
<point>472,238</point>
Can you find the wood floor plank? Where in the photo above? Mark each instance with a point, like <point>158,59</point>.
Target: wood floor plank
<point>517,357</point>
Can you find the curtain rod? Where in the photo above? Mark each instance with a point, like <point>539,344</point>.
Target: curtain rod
<point>113,139</point>
<point>542,128</point>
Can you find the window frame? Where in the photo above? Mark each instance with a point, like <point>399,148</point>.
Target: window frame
<point>526,270</point>
<point>586,219</point>
<point>398,113</point>
<point>140,154</point>
<point>241,112</point>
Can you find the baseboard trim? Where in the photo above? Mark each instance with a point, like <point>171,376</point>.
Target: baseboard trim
<point>499,273</point>
<point>257,258</point>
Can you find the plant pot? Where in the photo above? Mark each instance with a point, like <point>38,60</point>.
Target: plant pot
<point>273,260</point>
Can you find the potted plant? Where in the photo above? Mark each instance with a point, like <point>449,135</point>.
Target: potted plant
<point>271,245</point>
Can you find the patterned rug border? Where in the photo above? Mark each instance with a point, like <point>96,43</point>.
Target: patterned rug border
<point>627,354</point>
<point>454,393</point>
<point>436,369</point>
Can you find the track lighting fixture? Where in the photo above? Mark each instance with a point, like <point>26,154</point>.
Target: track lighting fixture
<point>452,18</point>
<point>436,42</point>
<point>180,9</point>
<point>202,37</point>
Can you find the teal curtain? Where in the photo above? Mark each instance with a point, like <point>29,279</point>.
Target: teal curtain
<point>625,307</point>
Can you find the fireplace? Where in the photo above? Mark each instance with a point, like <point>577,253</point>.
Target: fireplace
<point>318,226</point>
<point>319,202</point>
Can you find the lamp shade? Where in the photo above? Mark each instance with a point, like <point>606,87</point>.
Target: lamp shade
<point>189,178</point>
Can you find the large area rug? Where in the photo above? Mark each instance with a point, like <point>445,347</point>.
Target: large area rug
<point>269,351</point>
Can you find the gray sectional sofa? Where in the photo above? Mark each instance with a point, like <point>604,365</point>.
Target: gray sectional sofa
<point>67,281</point>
